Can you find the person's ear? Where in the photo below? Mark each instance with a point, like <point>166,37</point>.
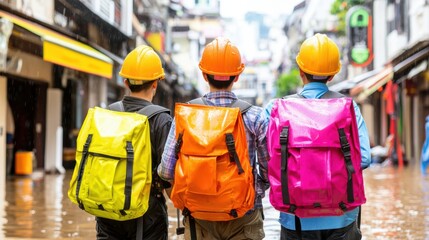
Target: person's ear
<point>205,77</point>
<point>236,78</point>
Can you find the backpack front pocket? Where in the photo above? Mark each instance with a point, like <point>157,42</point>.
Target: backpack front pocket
<point>316,178</point>
<point>201,172</point>
<point>100,185</point>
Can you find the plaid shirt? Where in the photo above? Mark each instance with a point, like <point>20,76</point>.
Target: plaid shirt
<point>256,128</point>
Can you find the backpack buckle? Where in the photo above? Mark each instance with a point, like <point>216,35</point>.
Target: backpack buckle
<point>292,209</point>
<point>233,157</point>
<point>81,205</point>
<point>186,212</point>
<point>230,143</point>
<point>343,206</point>
<point>284,134</point>
<point>346,149</point>
<point>129,147</point>
<point>345,145</point>
<point>317,205</point>
<point>233,213</point>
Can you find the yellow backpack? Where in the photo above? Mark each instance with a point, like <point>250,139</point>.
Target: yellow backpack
<point>213,178</point>
<point>113,173</point>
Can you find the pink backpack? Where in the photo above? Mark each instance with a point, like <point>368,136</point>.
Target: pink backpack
<point>314,168</point>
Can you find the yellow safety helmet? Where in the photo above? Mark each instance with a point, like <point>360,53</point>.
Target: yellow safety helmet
<point>142,64</point>
<point>221,58</point>
<point>319,56</point>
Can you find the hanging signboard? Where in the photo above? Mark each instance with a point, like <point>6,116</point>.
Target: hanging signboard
<point>359,31</point>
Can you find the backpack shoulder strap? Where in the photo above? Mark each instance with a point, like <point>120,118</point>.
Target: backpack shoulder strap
<point>116,106</point>
<point>152,110</point>
<point>243,105</point>
<point>332,94</point>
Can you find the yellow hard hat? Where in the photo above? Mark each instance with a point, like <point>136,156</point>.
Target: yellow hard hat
<point>319,56</point>
<point>221,58</point>
<point>142,64</point>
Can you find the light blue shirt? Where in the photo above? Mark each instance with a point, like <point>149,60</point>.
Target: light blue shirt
<point>316,90</point>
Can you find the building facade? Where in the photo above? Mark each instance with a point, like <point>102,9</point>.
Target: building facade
<point>59,58</point>
<point>393,93</point>
<point>57,64</point>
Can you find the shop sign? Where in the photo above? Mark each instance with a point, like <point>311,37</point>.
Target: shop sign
<point>359,31</point>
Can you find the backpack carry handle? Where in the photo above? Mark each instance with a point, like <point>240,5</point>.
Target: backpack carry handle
<point>241,104</point>
<point>327,95</point>
<point>149,111</point>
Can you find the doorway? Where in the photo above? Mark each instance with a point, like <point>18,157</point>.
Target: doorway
<point>27,100</point>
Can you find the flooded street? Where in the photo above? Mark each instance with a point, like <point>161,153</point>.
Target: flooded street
<point>37,207</point>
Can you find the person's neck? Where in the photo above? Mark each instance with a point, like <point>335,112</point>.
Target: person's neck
<point>146,95</point>
<point>213,89</point>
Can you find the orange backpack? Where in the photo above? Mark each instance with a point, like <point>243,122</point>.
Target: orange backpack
<point>214,179</point>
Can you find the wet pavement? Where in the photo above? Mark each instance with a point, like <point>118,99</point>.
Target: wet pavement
<point>37,207</point>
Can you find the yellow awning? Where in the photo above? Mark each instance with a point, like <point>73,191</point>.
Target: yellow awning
<point>62,50</point>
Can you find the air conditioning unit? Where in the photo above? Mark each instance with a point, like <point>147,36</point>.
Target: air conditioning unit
<point>103,8</point>
<point>106,10</point>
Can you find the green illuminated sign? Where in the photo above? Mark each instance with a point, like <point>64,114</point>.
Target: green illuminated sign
<point>359,18</point>
<point>360,54</point>
<point>359,26</point>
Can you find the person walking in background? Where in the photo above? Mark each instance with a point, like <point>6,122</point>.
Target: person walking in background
<point>141,70</point>
<point>425,149</point>
<point>222,169</point>
<point>318,61</point>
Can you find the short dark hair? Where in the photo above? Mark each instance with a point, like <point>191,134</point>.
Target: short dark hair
<point>313,78</point>
<point>140,87</point>
<point>220,84</point>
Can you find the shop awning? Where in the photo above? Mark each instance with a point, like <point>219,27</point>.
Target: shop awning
<point>403,68</point>
<point>345,86</point>
<point>370,85</point>
<point>62,50</point>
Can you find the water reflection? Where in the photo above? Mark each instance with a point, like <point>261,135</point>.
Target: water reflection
<point>22,207</point>
<point>37,207</point>
<point>397,206</point>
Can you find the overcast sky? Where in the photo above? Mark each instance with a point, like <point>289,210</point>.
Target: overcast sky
<point>237,8</point>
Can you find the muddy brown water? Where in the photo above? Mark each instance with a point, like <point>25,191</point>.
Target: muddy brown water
<point>37,207</point>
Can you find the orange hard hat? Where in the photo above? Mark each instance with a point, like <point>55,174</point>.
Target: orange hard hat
<point>142,64</point>
<point>221,58</point>
<point>319,56</point>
